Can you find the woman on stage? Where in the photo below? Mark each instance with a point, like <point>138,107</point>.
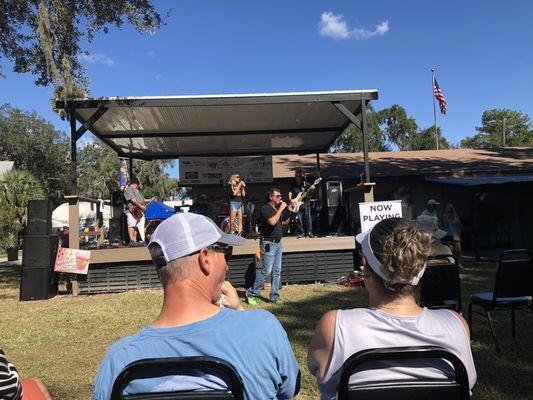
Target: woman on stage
<point>236,197</point>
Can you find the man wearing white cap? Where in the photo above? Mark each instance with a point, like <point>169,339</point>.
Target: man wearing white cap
<point>191,253</point>
<point>431,209</point>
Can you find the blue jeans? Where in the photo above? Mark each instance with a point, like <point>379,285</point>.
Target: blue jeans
<point>271,263</point>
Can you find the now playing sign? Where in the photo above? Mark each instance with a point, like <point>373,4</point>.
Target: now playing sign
<point>372,213</point>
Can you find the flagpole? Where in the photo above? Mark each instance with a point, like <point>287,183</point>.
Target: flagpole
<point>434,108</point>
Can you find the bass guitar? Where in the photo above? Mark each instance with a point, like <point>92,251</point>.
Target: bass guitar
<point>297,202</point>
<point>138,212</point>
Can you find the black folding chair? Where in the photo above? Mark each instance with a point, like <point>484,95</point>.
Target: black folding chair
<point>514,281</point>
<point>440,286</point>
<point>455,388</point>
<point>160,367</point>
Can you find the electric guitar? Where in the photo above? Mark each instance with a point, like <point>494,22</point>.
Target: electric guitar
<point>297,202</point>
<point>138,213</point>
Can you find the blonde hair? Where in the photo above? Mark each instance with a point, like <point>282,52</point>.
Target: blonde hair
<point>402,251</point>
<point>232,179</point>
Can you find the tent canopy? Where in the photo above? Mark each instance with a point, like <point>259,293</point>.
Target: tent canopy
<point>219,125</point>
<point>159,210</point>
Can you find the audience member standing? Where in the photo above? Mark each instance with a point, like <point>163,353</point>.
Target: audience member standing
<point>452,224</point>
<point>431,210</point>
<point>394,260</point>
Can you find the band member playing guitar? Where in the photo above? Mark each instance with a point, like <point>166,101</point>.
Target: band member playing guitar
<point>299,191</point>
<point>135,208</point>
<point>237,192</point>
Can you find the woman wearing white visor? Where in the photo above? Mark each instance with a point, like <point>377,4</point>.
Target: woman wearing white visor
<point>394,260</point>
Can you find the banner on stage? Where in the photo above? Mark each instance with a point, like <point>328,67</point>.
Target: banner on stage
<point>72,261</point>
<point>371,213</point>
<point>217,170</point>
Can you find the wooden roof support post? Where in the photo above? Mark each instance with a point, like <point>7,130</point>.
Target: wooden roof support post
<point>361,124</point>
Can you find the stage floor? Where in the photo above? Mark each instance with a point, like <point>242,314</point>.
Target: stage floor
<point>291,244</point>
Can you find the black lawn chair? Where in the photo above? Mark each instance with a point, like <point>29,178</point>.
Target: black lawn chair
<point>440,286</point>
<point>455,388</point>
<point>160,367</point>
<point>514,281</point>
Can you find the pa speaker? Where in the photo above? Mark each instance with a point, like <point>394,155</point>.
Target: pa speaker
<point>39,251</point>
<point>334,193</point>
<point>38,280</point>
<point>37,284</point>
<point>39,221</point>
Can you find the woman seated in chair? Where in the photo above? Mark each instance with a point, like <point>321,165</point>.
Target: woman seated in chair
<point>394,260</point>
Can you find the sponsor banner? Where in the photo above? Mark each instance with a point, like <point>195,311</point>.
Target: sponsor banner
<point>217,170</point>
<point>72,261</point>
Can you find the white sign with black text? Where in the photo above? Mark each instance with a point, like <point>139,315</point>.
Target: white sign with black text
<point>371,213</point>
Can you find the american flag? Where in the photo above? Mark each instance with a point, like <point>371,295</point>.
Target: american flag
<point>439,96</point>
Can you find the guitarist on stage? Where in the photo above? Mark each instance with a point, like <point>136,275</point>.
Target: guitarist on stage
<point>135,202</point>
<point>299,185</point>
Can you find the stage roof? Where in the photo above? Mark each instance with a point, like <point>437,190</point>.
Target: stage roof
<point>219,125</point>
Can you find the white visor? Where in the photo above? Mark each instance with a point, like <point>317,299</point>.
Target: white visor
<point>363,239</point>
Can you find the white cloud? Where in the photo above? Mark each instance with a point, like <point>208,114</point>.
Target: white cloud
<point>334,26</point>
<point>97,58</point>
<point>150,54</point>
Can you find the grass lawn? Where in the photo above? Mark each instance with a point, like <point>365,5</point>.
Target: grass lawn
<point>62,340</point>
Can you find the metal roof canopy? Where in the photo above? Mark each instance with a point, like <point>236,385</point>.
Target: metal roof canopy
<point>219,125</point>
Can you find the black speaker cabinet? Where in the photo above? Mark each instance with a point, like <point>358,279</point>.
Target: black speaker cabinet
<point>116,229</point>
<point>37,284</point>
<point>39,217</point>
<point>333,220</point>
<point>38,280</point>
<point>334,193</point>
<point>39,251</point>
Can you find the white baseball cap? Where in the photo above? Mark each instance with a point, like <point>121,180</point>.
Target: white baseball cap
<point>186,233</point>
<point>433,201</point>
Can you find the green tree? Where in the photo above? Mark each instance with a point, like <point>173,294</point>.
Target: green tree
<point>43,36</point>
<point>399,128</point>
<point>518,130</point>
<point>351,140</point>
<point>425,140</point>
<point>17,187</point>
<point>97,171</point>
<point>36,146</point>
<point>154,180</point>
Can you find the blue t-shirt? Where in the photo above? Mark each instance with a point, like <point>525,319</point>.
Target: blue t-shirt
<point>254,342</point>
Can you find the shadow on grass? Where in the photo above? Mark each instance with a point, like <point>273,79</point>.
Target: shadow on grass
<point>9,277</point>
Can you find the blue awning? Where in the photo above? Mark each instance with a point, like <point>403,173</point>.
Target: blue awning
<point>159,210</point>
<point>483,180</point>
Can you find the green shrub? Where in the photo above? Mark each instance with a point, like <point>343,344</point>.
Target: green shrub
<point>16,189</point>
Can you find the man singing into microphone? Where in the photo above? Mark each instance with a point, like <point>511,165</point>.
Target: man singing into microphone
<point>271,249</point>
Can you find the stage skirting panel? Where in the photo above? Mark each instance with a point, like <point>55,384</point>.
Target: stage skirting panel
<point>297,267</point>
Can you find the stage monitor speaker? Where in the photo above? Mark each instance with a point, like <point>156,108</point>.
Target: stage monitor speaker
<point>39,217</point>
<point>38,280</point>
<point>39,251</point>
<point>334,193</point>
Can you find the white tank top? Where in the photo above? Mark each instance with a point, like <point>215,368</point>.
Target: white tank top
<point>366,328</point>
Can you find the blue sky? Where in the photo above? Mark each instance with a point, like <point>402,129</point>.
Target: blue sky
<point>482,51</point>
